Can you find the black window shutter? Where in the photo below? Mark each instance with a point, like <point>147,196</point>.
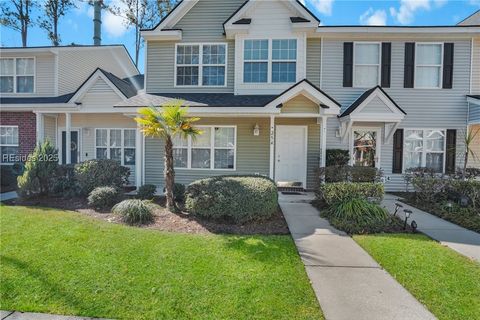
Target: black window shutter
<point>397,151</point>
<point>409,70</point>
<point>347,64</point>
<point>447,65</point>
<point>451,151</point>
<point>386,64</point>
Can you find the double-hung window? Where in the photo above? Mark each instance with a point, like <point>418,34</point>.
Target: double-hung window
<point>366,64</point>
<point>8,144</point>
<point>284,57</point>
<point>116,144</point>
<point>213,149</point>
<point>201,64</point>
<point>428,65</point>
<point>17,75</point>
<point>425,148</point>
<point>255,66</point>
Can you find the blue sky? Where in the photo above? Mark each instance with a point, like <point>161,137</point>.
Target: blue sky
<point>77,26</point>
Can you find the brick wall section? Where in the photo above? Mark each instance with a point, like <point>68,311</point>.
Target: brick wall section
<point>26,122</point>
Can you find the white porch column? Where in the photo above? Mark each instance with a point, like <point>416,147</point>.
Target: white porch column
<point>272,146</point>
<point>68,138</point>
<point>39,131</point>
<point>138,157</point>
<point>323,142</point>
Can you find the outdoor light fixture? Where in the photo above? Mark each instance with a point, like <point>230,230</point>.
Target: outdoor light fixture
<point>449,206</point>
<point>407,212</point>
<point>256,130</point>
<point>398,205</point>
<point>414,226</point>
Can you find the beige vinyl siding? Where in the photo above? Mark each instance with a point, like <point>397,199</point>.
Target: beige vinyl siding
<point>75,66</point>
<point>50,128</point>
<point>300,104</point>
<point>475,162</point>
<point>100,95</point>
<point>252,153</point>
<point>313,60</point>
<point>44,73</point>
<point>476,66</point>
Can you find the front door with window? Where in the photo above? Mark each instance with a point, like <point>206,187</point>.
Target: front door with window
<point>365,149</point>
<point>291,155</point>
<point>73,147</point>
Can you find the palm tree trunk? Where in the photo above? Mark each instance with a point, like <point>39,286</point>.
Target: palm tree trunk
<point>169,174</point>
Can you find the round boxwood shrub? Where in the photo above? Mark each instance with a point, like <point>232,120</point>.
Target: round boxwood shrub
<point>358,216</point>
<point>103,197</point>
<point>100,172</point>
<point>146,191</point>
<point>134,211</point>
<point>234,198</point>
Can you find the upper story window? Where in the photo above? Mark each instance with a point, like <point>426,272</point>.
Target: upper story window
<point>8,144</point>
<point>201,64</point>
<point>428,65</point>
<point>260,65</point>
<point>366,65</point>
<point>17,75</point>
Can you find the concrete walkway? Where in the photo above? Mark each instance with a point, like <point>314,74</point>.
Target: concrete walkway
<point>8,195</point>
<point>462,240</point>
<point>348,283</point>
<point>16,315</point>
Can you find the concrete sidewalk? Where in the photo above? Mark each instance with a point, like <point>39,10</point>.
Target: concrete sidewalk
<point>348,283</point>
<point>8,196</point>
<point>464,241</point>
<point>16,315</point>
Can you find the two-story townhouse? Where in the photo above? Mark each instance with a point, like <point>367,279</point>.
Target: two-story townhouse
<point>274,91</point>
<point>47,92</point>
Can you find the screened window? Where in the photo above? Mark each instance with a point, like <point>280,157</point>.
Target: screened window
<point>425,148</point>
<point>201,65</point>
<point>366,64</point>
<point>284,56</point>
<point>8,144</point>
<point>116,144</point>
<point>17,75</point>
<point>428,65</point>
<point>213,149</point>
<point>255,66</point>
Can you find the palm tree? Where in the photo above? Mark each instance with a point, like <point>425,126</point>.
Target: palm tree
<point>167,123</point>
<point>468,140</point>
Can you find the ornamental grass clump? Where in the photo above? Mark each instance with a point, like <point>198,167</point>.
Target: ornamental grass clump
<point>134,211</point>
<point>103,197</point>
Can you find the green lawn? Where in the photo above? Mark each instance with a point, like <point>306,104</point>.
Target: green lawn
<point>62,262</point>
<point>446,282</point>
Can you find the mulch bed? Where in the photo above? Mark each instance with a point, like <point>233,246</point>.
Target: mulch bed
<point>165,220</point>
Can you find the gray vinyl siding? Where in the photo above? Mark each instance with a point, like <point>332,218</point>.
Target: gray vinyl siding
<point>203,23</point>
<point>314,52</point>
<point>376,106</point>
<point>474,114</point>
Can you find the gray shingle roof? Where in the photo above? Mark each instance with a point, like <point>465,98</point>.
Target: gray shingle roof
<point>30,100</point>
<point>362,98</point>
<point>125,87</point>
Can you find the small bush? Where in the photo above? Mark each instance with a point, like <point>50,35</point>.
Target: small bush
<point>134,211</point>
<point>465,188</point>
<point>178,191</point>
<point>358,216</point>
<point>100,172</point>
<point>39,170</point>
<point>429,189</point>
<point>337,157</point>
<point>103,197</point>
<point>332,193</point>
<point>64,182</point>
<point>146,191</point>
<point>234,198</point>
<point>349,174</point>
<point>365,174</point>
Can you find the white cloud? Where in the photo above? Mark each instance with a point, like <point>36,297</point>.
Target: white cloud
<point>405,14</point>
<point>440,3</point>
<point>323,6</point>
<point>475,2</point>
<point>374,18</point>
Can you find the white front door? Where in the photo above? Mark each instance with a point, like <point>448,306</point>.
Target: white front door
<point>291,154</point>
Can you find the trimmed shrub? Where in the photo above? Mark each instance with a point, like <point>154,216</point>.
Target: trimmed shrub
<point>64,182</point>
<point>39,170</point>
<point>337,157</point>
<point>365,174</point>
<point>333,193</point>
<point>349,174</point>
<point>103,197</point>
<point>465,188</point>
<point>429,189</point>
<point>147,191</point>
<point>99,173</point>
<point>234,198</point>
<point>358,216</point>
<point>134,211</point>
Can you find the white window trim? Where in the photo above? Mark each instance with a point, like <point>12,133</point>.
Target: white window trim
<point>59,142</point>
<point>269,61</point>
<point>440,82</point>
<point>424,153</point>
<point>378,147</point>
<point>285,60</point>
<point>23,75</point>
<point>200,64</point>
<point>379,65</point>
<point>10,145</point>
<point>212,148</point>
<point>122,147</point>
